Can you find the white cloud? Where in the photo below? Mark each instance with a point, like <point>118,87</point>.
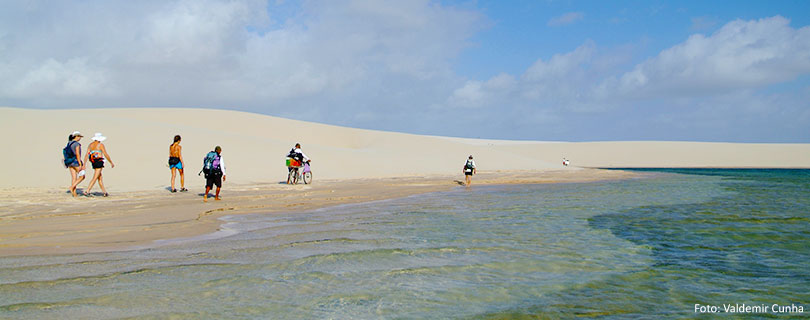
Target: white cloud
<point>566,19</point>
<point>742,54</point>
<point>73,78</point>
<point>193,32</point>
<point>704,84</point>
<point>476,94</point>
<point>217,52</point>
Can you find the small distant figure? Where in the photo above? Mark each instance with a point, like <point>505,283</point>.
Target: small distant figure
<point>72,160</point>
<point>214,169</point>
<point>176,163</point>
<point>469,169</point>
<point>97,153</point>
<point>566,162</point>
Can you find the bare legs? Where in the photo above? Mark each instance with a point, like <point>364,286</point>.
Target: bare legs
<point>174,174</point>
<point>96,177</point>
<point>469,179</point>
<point>182,179</point>
<point>74,179</point>
<point>205,196</point>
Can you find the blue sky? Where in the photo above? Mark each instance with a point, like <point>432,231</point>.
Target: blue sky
<point>520,33</point>
<point>734,71</point>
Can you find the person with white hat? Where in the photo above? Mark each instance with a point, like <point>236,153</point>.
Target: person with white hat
<point>97,153</point>
<point>72,160</point>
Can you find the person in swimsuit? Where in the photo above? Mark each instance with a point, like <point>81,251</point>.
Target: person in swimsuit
<point>176,163</point>
<point>97,153</point>
<point>73,162</point>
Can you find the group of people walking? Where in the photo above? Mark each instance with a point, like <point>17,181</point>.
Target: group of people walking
<point>213,164</point>
<point>96,154</point>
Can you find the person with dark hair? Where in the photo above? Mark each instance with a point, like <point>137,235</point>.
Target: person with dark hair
<point>469,169</point>
<point>298,155</point>
<point>214,169</point>
<point>176,163</point>
<point>72,159</point>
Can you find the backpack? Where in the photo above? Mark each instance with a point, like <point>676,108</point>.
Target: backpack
<point>469,165</point>
<point>295,155</point>
<point>210,163</point>
<point>68,155</point>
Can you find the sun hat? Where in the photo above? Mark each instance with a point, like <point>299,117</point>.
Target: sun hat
<point>76,134</point>
<point>98,137</point>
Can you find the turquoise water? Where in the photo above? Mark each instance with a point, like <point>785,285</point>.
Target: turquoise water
<point>643,248</point>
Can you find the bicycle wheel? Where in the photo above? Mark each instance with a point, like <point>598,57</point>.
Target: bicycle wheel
<point>292,177</point>
<point>307,177</point>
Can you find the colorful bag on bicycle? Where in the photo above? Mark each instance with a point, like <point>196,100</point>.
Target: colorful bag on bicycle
<point>293,163</point>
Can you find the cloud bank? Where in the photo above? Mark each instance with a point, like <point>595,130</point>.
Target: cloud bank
<point>391,66</point>
<point>223,53</point>
<point>717,83</point>
<point>741,55</point>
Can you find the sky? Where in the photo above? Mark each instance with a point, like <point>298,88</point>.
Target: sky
<point>548,70</point>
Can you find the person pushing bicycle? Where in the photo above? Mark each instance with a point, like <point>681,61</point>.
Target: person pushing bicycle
<point>297,154</point>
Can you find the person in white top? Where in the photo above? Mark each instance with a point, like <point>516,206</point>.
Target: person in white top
<point>297,151</point>
<point>297,154</point>
<point>469,169</point>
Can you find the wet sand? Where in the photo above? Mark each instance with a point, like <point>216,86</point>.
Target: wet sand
<point>38,221</point>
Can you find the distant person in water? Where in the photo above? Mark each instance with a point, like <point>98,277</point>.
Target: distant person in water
<point>97,155</point>
<point>469,169</point>
<point>214,169</point>
<point>73,162</point>
<point>176,163</point>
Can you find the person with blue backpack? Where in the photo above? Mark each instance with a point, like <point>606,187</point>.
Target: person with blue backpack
<point>214,169</point>
<point>72,160</point>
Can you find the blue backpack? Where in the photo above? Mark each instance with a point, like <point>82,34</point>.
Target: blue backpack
<point>69,156</point>
<point>210,163</point>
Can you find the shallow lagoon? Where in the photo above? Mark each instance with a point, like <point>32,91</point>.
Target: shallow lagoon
<point>650,247</point>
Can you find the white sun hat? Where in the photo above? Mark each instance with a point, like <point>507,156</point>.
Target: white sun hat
<point>76,134</point>
<point>98,137</point>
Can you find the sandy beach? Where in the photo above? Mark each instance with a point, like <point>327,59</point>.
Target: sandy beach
<point>38,216</point>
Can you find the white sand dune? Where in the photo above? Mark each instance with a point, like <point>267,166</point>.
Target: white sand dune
<point>254,147</point>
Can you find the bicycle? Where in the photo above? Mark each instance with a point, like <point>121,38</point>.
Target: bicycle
<point>299,172</point>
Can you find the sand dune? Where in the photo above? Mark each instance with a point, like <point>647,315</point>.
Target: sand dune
<point>254,146</point>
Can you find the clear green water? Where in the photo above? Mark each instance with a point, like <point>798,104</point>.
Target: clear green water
<point>641,248</point>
